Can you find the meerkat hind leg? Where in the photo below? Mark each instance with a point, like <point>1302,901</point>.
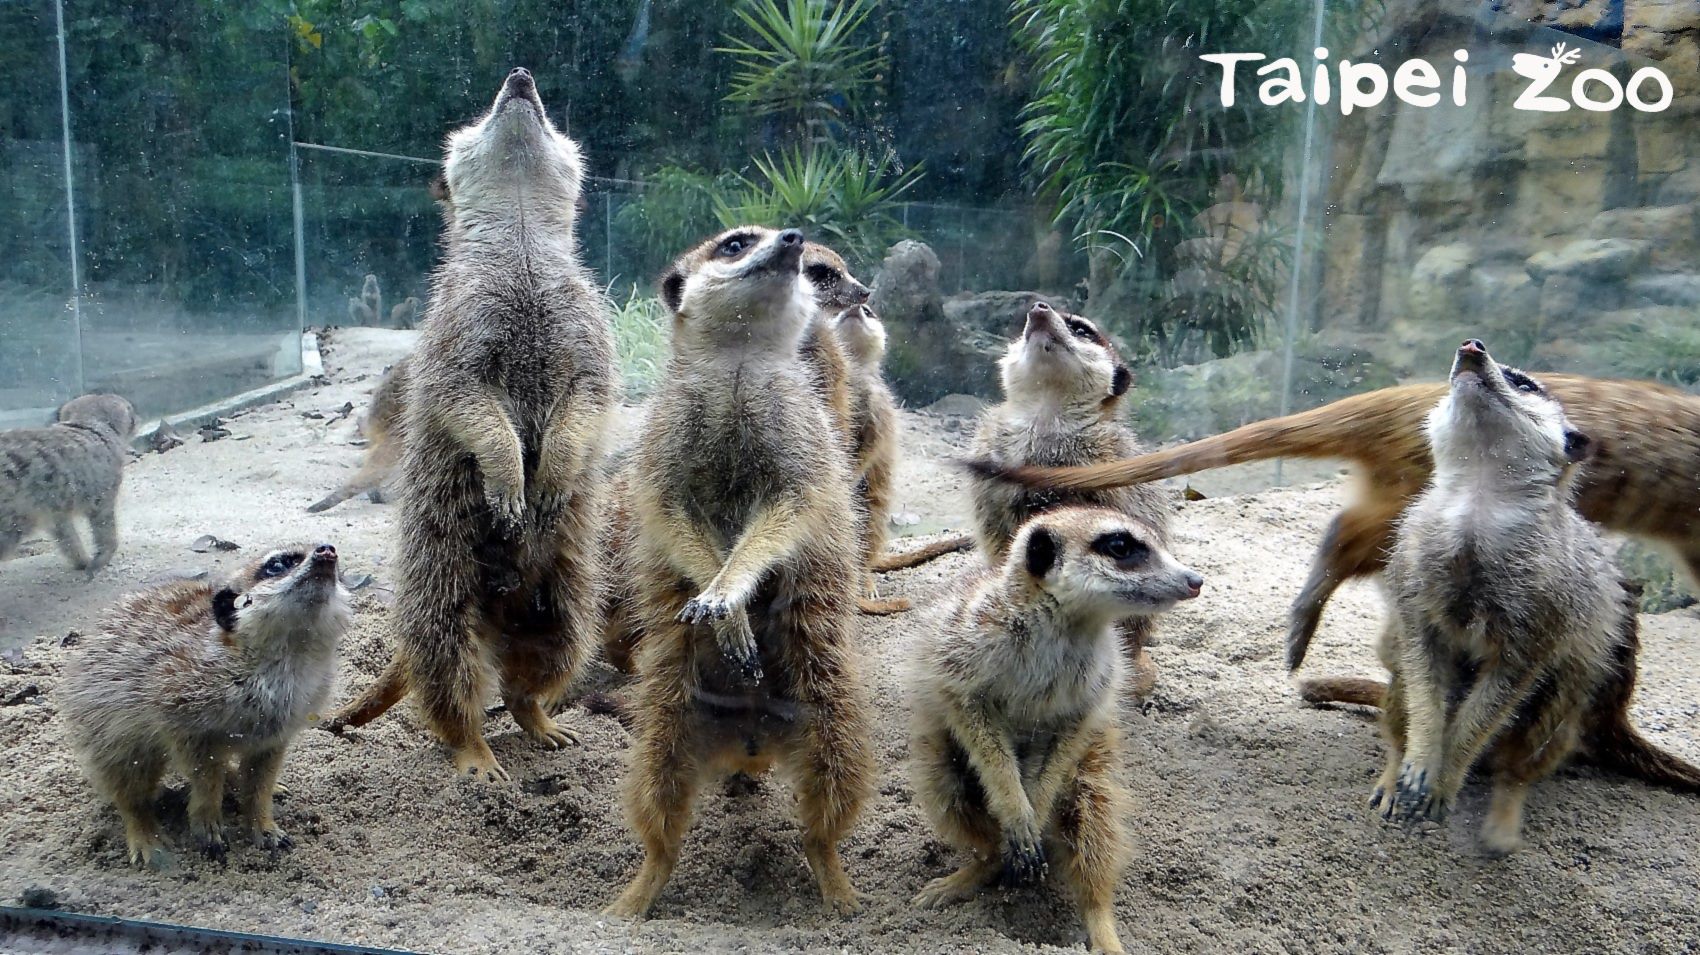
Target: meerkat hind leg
<point>132,786</point>
<point>70,544</point>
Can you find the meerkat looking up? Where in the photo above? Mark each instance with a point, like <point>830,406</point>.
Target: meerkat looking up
<point>1510,626</point>
<point>195,675</point>
<point>1063,384</point>
<point>505,418</point>
<point>873,444</point>
<point>70,468</point>
<point>835,290</point>
<point>745,567</point>
<point>1014,738</point>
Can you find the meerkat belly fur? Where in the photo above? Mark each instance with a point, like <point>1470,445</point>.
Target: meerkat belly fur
<point>1063,384</point>
<point>505,414</point>
<point>873,443</point>
<point>1512,638</point>
<point>72,468</point>
<point>1014,740</point>
<point>746,567</point>
<point>193,675</point>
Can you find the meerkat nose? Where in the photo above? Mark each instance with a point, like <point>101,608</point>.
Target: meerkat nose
<point>520,72</point>
<point>1194,584</point>
<point>791,237</point>
<point>324,552</point>
<point>1472,346</point>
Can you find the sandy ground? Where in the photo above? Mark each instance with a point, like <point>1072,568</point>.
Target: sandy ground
<point>1250,827</point>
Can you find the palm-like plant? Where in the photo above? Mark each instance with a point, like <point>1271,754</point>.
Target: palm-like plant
<point>803,63</point>
<point>840,196</point>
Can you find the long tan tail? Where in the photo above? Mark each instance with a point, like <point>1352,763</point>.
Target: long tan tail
<point>888,562</point>
<point>1364,428</point>
<point>372,703</point>
<point>1618,746</point>
<point>1343,689</point>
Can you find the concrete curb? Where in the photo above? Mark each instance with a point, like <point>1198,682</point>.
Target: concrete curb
<point>312,366</point>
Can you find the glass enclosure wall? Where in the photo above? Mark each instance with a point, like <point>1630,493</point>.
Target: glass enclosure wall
<point>149,230</point>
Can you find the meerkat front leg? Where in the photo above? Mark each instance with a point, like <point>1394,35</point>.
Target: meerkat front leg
<point>259,772</point>
<point>992,754</point>
<point>1415,792</point>
<point>481,425</point>
<point>1059,768</point>
<point>572,439</point>
<point>699,560</point>
<point>1486,710</point>
<point>776,531</point>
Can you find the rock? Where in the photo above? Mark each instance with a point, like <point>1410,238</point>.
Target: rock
<point>1682,289</point>
<point>1599,260</point>
<point>38,897</point>
<point>1671,232</point>
<point>937,347</point>
<point>957,406</point>
<point>163,439</point>
<point>1569,299</point>
<point>1439,282</point>
<point>29,692</point>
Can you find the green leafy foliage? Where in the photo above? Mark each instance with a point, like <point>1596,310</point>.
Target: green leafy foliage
<point>676,207</point>
<point>842,197</point>
<point>641,340</point>
<point>803,62</point>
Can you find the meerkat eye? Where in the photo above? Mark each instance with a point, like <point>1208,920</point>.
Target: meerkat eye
<point>1520,381</point>
<point>278,565</point>
<point>1080,329</point>
<point>1121,547</point>
<point>733,245</point>
<point>822,275</point>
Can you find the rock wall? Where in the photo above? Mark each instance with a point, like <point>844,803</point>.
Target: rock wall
<point>1550,234</point>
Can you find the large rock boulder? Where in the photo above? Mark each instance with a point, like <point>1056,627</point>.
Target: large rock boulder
<point>1596,260</point>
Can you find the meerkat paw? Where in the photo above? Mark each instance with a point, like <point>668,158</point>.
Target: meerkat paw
<point>1500,841</point>
<point>478,762</point>
<point>633,903</point>
<point>706,607</point>
<point>1023,862</point>
<point>273,839</point>
<point>552,735</point>
<point>507,511</point>
<point>147,852</point>
<point>958,887</point>
<point>843,900</point>
<point>210,842</point>
<point>1417,795</point>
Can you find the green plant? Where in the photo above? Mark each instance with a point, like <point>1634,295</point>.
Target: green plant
<point>676,207</point>
<point>642,341</point>
<point>804,65</point>
<point>843,197</point>
<point>1667,351</point>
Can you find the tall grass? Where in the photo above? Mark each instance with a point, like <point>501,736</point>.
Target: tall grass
<point>642,340</point>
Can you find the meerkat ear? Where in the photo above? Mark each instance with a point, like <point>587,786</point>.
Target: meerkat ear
<point>1042,548</point>
<point>1120,381</point>
<point>439,188</point>
<point>1577,446</point>
<point>224,609</point>
<point>673,289</point>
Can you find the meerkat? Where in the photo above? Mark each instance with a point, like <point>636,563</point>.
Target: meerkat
<point>505,417</point>
<point>1638,480</point>
<point>381,428</point>
<point>402,315</point>
<point>70,468</point>
<point>194,675</point>
<point>835,290</point>
<point>1512,637</point>
<point>1014,738</point>
<point>745,567</point>
<point>368,309</point>
<point>1063,383</point>
<point>873,443</point>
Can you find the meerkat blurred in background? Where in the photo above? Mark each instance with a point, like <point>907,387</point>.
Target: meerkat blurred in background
<point>506,410</point>
<point>746,565</point>
<point>71,468</point>
<point>1015,741</point>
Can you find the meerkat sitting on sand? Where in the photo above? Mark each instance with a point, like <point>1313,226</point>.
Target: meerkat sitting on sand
<point>745,566</point>
<point>72,467</point>
<point>505,416</point>
<point>193,675</point>
<point>1063,384</point>
<point>1014,738</point>
<point>1512,639</point>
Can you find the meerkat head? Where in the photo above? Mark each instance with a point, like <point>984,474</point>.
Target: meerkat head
<point>1499,419</point>
<point>744,285</point>
<point>835,288</point>
<point>100,411</point>
<point>291,593</point>
<point>863,335</point>
<point>512,148</point>
<point>1063,358</point>
<point>1097,562</point>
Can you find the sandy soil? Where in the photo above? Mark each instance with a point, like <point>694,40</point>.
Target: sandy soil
<point>1250,825</point>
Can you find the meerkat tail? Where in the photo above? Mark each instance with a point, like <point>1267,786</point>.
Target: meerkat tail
<point>375,700</point>
<point>883,607</point>
<point>608,704</point>
<point>1618,746</point>
<point>1353,429</point>
<point>888,562</point>
<point>339,495</point>
<point>1361,691</point>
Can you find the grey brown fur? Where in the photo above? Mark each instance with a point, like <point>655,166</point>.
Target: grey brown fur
<point>745,568</point>
<point>194,675</point>
<point>873,443</point>
<point>511,387</point>
<point>382,429</point>
<point>1014,742</point>
<point>72,468</point>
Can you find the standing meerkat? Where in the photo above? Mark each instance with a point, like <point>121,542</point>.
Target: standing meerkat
<point>745,567</point>
<point>1014,740</point>
<point>381,428</point>
<point>1063,384</point>
<point>195,675</point>
<point>368,309</point>
<point>1512,639</point>
<point>1639,479</point>
<point>70,468</point>
<point>509,395</point>
<point>873,444</point>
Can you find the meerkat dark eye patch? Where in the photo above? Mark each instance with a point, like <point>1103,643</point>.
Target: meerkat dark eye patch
<point>1520,381</point>
<point>224,608</point>
<point>1577,446</point>
<point>1082,330</point>
<point>278,565</point>
<point>1121,547</point>
<point>734,245</point>
<point>673,290</point>
<point>1042,550</point>
<point>822,276</point>
<point>1121,381</point>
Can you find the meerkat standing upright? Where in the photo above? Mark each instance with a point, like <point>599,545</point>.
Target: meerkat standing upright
<point>1063,384</point>
<point>1014,739</point>
<point>195,674</point>
<point>74,466</point>
<point>745,567</point>
<point>873,446</point>
<point>509,395</point>
<point>1512,637</point>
